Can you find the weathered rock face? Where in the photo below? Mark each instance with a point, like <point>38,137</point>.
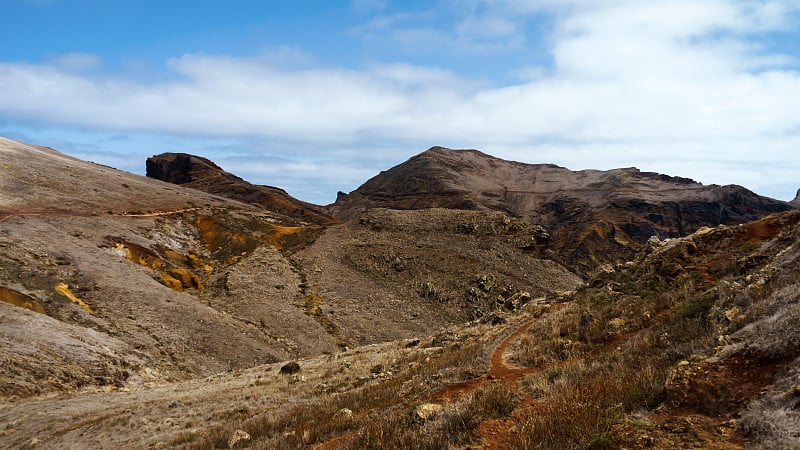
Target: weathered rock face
<point>200,173</point>
<point>796,201</point>
<point>179,168</point>
<point>593,216</point>
<point>109,278</point>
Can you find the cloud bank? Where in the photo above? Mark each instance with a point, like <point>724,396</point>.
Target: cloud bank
<point>683,87</point>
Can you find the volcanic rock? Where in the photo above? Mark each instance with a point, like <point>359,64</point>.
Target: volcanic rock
<point>290,368</point>
<point>592,216</point>
<point>200,173</point>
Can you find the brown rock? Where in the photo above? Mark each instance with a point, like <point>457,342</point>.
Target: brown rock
<point>591,216</point>
<point>290,368</point>
<point>427,411</point>
<point>239,438</point>
<point>201,173</point>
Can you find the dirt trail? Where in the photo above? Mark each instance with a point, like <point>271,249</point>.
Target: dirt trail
<point>498,369</point>
<point>7,214</point>
<point>159,213</point>
<point>496,434</point>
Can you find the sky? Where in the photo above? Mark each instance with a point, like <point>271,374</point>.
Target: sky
<point>318,96</point>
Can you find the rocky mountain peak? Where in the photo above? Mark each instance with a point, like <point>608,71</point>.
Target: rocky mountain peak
<point>178,168</point>
<point>594,216</point>
<point>796,200</point>
<point>201,173</point>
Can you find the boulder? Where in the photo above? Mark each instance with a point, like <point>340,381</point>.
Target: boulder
<point>344,413</point>
<point>290,368</point>
<point>238,438</point>
<point>427,411</point>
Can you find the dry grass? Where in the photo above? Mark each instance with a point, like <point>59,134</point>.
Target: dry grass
<point>605,355</point>
<point>612,350</point>
<point>455,426</point>
<point>378,404</point>
<point>578,404</point>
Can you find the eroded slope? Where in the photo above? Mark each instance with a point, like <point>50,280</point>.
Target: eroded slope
<point>156,282</point>
<point>389,274</point>
<point>593,216</point>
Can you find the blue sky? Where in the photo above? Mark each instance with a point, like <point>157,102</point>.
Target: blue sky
<point>318,96</point>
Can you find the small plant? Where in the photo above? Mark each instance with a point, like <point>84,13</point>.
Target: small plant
<point>493,401</point>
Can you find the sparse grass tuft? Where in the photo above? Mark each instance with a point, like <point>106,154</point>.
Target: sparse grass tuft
<point>493,401</point>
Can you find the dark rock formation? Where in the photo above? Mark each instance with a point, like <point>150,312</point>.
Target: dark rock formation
<point>178,168</point>
<point>200,173</point>
<point>593,216</point>
<point>290,368</point>
<point>796,201</point>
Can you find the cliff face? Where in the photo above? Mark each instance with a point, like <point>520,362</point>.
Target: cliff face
<point>200,173</point>
<point>593,216</point>
<point>179,168</point>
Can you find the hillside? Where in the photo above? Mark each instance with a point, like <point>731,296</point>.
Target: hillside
<point>127,279</point>
<point>157,282</point>
<point>593,217</point>
<point>692,344</point>
<point>435,307</point>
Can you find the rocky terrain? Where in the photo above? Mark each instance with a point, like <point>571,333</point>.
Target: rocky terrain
<point>456,300</point>
<point>137,273</point>
<point>200,173</point>
<point>592,216</point>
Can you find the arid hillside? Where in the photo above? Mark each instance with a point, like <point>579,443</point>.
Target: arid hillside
<point>454,301</point>
<point>692,344</point>
<point>592,216</point>
<point>119,278</point>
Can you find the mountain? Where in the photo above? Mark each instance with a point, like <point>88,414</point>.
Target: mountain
<point>200,173</point>
<point>142,280</point>
<point>796,201</point>
<point>593,217</point>
<point>108,278</point>
<point>138,313</point>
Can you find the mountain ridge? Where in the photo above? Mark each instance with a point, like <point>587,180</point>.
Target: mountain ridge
<point>140,313</point>
<point>592,215</point>
<point>203,174</point>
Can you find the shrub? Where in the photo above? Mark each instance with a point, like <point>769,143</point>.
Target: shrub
<point>493,401</point>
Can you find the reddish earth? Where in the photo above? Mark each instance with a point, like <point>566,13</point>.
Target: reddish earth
<point>496,433</point>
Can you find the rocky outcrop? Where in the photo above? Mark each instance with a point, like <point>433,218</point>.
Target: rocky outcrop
<point>201,173</point>
<point>427,411</point>
<point>592,216</point>
<point>240,438</point>
<point>796,201</point>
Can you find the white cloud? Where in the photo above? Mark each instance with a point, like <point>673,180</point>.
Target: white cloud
<point>633,83</point>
